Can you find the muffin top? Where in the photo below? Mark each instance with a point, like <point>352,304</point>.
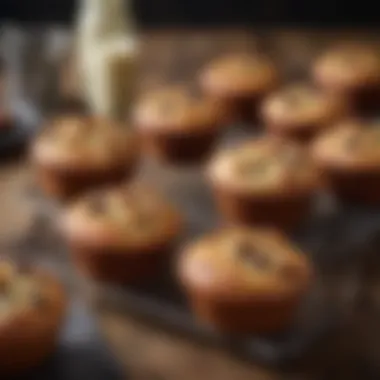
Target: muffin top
<point>28,293</point>
<point>301,105</point>
<point>351,144</point>
<point>265,166</point>
<point>124,216</point>
<point>242,262</point>
<point>348,66</point>
<point>239,75</point>
<point>85,142</point>
<point>178,108</point>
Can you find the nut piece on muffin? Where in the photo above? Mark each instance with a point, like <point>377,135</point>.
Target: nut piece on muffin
<point>265,181</point>
<point>243,280</point>
<point>75,153</point>
<point>32,309</point>
<point>351,71</point>
<point>123,234</point>
<point>349,158</point>
<point>239,83</point>
<point>177,125</point>
<point>301,111</point>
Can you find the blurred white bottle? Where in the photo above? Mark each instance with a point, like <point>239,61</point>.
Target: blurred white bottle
<point>107,53</point>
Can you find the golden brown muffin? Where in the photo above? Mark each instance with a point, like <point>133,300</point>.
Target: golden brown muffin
<point>239,82</point>
<point>32,308</point>
<point>177,125</point>
<point>244,280</point>
<point>300,111</point>
<point>123,234</point>
<point>75,153</point>
<point>351,71</point>
<point>264,181</point>
<point>349,157</point>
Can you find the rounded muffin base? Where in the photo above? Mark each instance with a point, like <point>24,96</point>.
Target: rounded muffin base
<point>357,187</point>
<point>65,185</point>
<point>28,353</point>
<point>303,134</point>
<point>185,149</point>
<point>124,267</point>
<point>286,213</point>
<point>29,339</point>
<point>241,109</point>
<point>366,101</point>
<point>362,100</point>
<point>261,316</point>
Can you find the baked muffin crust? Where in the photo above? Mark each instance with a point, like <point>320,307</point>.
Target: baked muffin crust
<point>124,216</point>
<point>32,308</point>
<point>178,125</point>
<point>85,143</point>
<point>349,159</point>
<point>176,108</point>
<point>240,75</point>
<point>349,66</point>
<point>301,110</point>
<point>245,263</point>
<point>243,280</point>
<point>75,153</point>
<point>264,166</point>
<point>121,235</point>
<point>353,145</point>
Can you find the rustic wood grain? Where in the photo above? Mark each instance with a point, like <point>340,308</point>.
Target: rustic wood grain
<point>148,353</point>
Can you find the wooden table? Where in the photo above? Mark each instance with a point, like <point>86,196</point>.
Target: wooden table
<point>151,354</point>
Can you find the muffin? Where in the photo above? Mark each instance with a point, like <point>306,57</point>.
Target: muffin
<point>301,111</point>
<point>265,181</point>
<point>32,309</point>
<point>177,125</point>
<point>353,72</point>
<point>349,157</point>
<point>239,83</point>
<point>123,234</point>
<point>75,153</point>
<point>243,280</point>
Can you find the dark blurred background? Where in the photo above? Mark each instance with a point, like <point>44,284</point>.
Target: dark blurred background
<point>187,13</point>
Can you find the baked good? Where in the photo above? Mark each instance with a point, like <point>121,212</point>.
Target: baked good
<point>32,308</point>
<point>239,83</point>
<point>75,153</point>
<point>123,234</point>
<point>177,125</point>
<point>351,71</point>
<point>265,181</point>
<point>349,157</point>
<point>300,111</point>
<point>244,280</point>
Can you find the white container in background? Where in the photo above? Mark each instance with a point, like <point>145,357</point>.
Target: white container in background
<point>107,52</point>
